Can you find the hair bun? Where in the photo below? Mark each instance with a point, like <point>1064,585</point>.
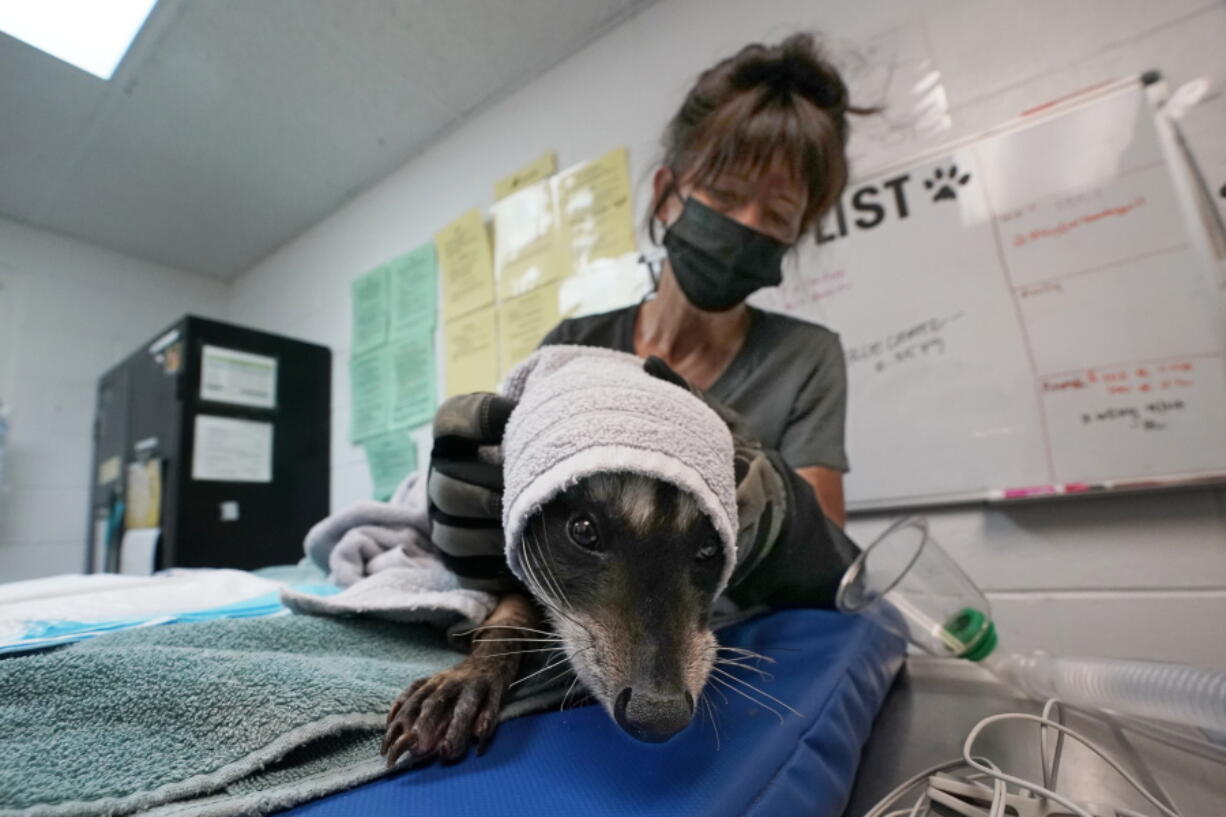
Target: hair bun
<point>794,71</point>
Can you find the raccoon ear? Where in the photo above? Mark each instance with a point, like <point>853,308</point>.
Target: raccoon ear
<point>656,367</point>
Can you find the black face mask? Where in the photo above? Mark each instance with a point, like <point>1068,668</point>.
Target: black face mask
<point>717,260</point>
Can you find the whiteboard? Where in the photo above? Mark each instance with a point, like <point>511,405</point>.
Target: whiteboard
<point>1026,313</point>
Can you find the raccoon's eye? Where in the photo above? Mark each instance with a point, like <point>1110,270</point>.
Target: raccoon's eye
<point>707,551</point>
<point>582,531</point>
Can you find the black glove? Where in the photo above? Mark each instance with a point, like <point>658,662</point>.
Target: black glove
<point>781,526</point>
<point>464,484</point>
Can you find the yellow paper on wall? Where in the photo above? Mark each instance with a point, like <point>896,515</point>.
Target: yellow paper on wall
<point>524,321</point>
<point>470,352</point>
<point>143,495</point>
<point>597,213</point>
<point>465,264</point>
<point>528,248</point>
<point>541,168</point>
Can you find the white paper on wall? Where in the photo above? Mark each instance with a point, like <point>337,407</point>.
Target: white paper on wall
<point>138,551</point>
<point>241,378</point>
<point>230,450</point>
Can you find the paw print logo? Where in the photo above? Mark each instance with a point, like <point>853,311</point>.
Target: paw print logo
<point>946,185</point>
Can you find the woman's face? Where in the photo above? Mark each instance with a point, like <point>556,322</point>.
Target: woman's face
<point>772,203</point>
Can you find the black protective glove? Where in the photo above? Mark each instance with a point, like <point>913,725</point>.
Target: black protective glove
<point>780,525</point>
<point>464,484</point>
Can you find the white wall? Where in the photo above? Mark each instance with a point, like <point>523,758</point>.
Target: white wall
<point>68,312</point>
<point>1143,575</point>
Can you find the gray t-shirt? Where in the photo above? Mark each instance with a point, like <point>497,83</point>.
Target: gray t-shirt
<point>788,381</point>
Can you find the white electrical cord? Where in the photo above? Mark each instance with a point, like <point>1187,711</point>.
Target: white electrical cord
<point>1043,791</point>
<point>1050,766</point>
<point>879,810</point>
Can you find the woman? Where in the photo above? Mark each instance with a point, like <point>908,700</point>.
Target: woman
<point>753,160</point>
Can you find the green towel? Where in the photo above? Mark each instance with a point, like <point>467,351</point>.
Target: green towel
<point>217,718</point>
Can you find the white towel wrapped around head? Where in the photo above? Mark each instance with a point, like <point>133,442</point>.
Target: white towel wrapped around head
<point>584,411</point>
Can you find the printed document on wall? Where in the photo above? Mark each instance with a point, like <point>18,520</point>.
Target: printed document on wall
<point>241,378</point>
<point>413,287</point>
<point>542,167</point>
<point>230,450</point>
<point>411,380</point>
<point>597,214</point>
<point>466,265</point>
<point>470,352</point>
<point>370,387</point>
<point>528,248</point>
<point>523,322</point>
<point>369,311</point>
<point>391,457</point>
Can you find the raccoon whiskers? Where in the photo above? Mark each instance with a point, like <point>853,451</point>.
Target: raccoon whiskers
<point>747,697</point>
<point>569,690</point>
<point>546,668</point>
<point>537,567</point>
<point>717,691</point>
<point>506,627</point>
<point>531,564</point>
<point>549,574</point>
<point>562,674</point>
<point>521,652</point>
<point>756,689</point>
<point>742,652</point>
<point>709,711</point>
<point>564,658</point>
<point>728,662</point>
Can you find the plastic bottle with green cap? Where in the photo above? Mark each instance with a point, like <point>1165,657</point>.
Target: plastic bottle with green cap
<point>907,584</point>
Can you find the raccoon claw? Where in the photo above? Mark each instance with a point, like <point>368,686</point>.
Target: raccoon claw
<point>441,715</point>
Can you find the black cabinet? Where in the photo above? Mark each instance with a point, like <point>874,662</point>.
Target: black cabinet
<point>219,436</point>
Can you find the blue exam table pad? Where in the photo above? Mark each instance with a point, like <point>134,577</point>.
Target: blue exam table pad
<point>835,670</point>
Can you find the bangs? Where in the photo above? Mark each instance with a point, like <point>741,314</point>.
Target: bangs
<point>758,131</point>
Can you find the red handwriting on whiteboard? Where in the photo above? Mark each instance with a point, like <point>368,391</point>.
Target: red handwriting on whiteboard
<point>798,291</point>
<point>1064,227</point>
<point>1142,378</point>
<point>1064,384</point>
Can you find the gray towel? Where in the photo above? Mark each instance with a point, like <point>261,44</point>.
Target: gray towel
<point>222,717</point>
<point>584,410</point>
<point>380,552</point>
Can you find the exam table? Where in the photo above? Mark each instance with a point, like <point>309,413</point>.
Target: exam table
<point>833,669</point>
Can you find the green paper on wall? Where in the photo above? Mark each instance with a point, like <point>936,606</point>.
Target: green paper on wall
<point>412,374</point>
<point>369,314</point>
<point>370,389</point>
<point>413,284</point>
<point>391,457</point>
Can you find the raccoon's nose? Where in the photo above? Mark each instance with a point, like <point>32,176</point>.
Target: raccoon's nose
<point>653,716</point>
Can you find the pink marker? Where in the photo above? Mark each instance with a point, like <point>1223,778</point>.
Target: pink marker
<point>1036,490</point>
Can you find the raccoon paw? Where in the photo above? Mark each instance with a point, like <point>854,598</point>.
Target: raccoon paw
<point>441,715</point>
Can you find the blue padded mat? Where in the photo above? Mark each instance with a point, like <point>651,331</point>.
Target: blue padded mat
<point>835,670</point>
